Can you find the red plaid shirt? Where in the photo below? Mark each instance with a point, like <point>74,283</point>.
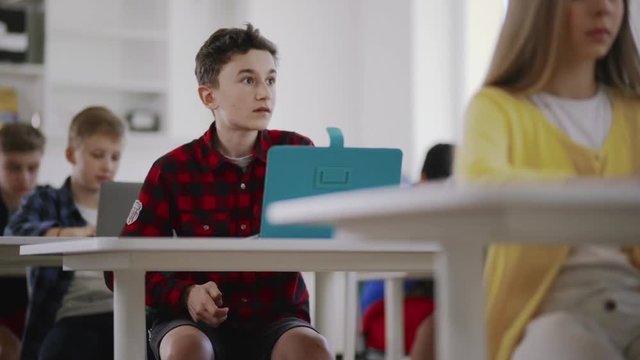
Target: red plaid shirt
<point>195,191</point>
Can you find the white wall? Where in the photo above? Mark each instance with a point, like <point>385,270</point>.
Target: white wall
<point>386,66</point>
<point>343,63</point>
<point>483,21</point>
<point>317,50</point>
<point>437,75</point>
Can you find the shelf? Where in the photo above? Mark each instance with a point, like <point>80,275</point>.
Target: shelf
<point>111,34</point>
<point>33,70</point>
<point>152,87</point>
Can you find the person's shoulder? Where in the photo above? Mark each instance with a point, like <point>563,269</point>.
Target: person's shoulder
<point>493,99</point>
<point>283,137</point>
<point>178,154</point>
<point>496,94</point>
<point>42,194</point>
<point>44,190</point>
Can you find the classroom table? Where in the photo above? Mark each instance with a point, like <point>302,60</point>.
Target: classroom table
<point>12,264</point>
<point>129,258</point>
<point>464,220</point>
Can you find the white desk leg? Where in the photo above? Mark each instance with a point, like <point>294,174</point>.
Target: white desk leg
<point>310,281</point>
<point>460,302</point>
<point>351,317</point>
<point>129,329</point>
<point>330,314</point>
<point>394,318</point>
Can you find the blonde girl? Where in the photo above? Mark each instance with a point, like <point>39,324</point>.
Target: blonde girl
<point>561,101</point>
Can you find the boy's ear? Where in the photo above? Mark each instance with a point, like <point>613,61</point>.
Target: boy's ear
<point>207,97</point>
<point>70,155</point>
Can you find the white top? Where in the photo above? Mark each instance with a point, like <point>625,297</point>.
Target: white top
<point>242,162</point>
<point>586,121</point>
<point>87,293</point>
<point>89,215</point>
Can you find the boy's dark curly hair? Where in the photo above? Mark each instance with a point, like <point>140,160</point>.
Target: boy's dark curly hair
<point>222,45</point>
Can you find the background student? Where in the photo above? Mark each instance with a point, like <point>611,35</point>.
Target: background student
<point>71,313</point>
<point>212,187</point>
<point>21,150</point>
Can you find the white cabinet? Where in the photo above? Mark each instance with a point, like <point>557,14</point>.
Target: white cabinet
<point>21,30</point>
<point>112,53</point>
<point>26,80</point>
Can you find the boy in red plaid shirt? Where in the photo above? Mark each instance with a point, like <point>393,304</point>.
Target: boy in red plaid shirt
<point>213,187</point>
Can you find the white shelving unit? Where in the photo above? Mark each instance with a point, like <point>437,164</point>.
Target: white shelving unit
<point>112,53</point>
<point>26,71</point>
<point>126,55</point>
<point>26,79</point>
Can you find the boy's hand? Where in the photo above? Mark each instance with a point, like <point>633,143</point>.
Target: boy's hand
<point>204,303</point>
<point>77,231</point>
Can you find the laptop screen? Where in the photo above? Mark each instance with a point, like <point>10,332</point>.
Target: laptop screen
<point>116,200</point>
<point>298,171</point>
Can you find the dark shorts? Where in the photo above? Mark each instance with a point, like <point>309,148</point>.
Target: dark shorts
<point>229,343</point>
<point>79,338</point>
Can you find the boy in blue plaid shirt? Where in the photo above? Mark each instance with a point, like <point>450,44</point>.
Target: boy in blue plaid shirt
<point>70,314</point>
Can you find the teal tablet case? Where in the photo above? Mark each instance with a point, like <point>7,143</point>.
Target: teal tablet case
<point>298,171</point>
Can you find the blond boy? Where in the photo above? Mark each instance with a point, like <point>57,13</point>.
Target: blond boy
<point>71,313</point>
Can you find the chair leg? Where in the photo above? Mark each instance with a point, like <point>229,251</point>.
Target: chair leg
<point>394,318</point>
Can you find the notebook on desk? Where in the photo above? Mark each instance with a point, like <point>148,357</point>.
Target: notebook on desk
<point>116,199</point>
<point>298,171</point>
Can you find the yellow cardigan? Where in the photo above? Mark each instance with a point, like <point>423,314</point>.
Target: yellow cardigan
<point>508,139</point>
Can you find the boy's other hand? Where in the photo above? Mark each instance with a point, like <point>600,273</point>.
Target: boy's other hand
<point>204,303</point>
<point>78,231</point>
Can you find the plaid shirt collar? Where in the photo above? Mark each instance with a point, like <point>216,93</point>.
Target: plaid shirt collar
<point>215,158</point>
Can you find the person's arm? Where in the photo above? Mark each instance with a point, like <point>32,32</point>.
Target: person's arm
<point>36,215</point>
<point>39,215</point>
<point>484,153</point>
<point>70,231</point>
<point>152,216</point>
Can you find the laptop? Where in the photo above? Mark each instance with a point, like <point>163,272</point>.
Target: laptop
<point>292,172</point>
<point>116,200</point>
<point>298,171</point>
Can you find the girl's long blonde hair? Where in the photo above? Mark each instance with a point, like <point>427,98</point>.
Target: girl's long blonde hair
<point>527,50</point>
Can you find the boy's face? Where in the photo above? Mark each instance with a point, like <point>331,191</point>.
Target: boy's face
<point>95,160</point>
<point>246,96</point>
<point>18,174</point>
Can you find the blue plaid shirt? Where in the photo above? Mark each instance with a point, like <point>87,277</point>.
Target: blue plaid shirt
<point>40,211</point>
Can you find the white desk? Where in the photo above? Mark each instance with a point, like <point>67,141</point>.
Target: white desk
<point>12,264</point>
<point>464,220</point>
<point>131,257</point>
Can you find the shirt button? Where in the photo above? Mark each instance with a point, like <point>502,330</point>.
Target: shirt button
<point>243,186</point>
<point>243,227</point>
<point>244,300</point>
<point>610,305</point>
<point>205,227</point>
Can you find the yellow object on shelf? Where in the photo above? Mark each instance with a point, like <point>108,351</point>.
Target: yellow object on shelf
<point>8,104</point>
